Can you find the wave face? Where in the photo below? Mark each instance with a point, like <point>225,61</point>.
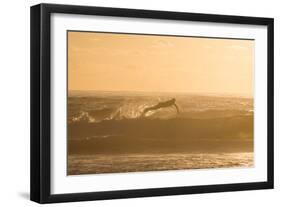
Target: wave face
<point>94,107</point>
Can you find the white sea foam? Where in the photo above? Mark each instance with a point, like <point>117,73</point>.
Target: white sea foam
<point>89,164</point>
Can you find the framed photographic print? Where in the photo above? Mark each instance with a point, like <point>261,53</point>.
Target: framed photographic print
<point>133,103</point>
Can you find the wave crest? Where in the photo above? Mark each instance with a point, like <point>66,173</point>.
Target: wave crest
<point>127,111</point>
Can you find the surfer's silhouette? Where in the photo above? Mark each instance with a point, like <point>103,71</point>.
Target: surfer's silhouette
<point>164,104</point>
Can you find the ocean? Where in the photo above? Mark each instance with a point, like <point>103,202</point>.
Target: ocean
<point>108,132</point>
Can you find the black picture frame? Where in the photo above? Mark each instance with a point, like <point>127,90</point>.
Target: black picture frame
<point>41,97</point>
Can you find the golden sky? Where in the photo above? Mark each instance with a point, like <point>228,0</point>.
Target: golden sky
<point>122,62</point>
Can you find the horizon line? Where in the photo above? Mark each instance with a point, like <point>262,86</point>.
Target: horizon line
<point>177,92</point>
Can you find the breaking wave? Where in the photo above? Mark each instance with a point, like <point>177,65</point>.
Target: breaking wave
<point>123,112</point>
<point>102,107</point>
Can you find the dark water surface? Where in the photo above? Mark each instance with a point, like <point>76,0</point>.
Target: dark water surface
<point>106,132</point>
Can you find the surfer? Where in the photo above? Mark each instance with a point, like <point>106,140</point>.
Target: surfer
<point>164,104</point>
